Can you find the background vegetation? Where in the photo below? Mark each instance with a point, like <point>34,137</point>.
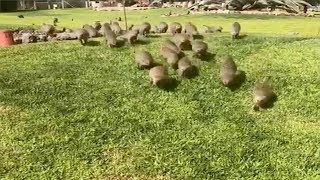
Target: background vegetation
<point>69,111</point>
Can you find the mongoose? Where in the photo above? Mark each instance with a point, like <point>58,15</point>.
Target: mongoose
<point>91,30</point>
<point>105,27</point>
<point>55,21</point>
<point>159,77</point>
<point>144,28</point>
<point>42,37</point>
<point>185,68</point>
<point>28,38</point>
<point>82,35</point>
<point>131,36</point>
<point>213,29</point>
<point>47,29</point>
<point>115,22</point>
<point>131,27</point>
<point>191,29</point>
<point>97,26</point>
<point>65,36</point>
<point>115,27</point>
<point>111,38</point>
<point>229,74</point>
<point>235,30</point>
<point>136,28</point>
<point>199,47</point>
<point>17,38</point>
<point>263,96</point>
<point>68,30</point>
<point>170,55</point>
<point>171,45</point>
<point>143,59</point>
<point>25,30</point>
<point>162,27</point>
<point>175,28</point>
<point>182,41</point>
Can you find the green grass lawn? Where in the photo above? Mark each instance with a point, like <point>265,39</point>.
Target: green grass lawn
<point>86,112</point>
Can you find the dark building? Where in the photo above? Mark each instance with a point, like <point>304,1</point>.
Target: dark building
<point>8,5</point>
<point>14,5</point>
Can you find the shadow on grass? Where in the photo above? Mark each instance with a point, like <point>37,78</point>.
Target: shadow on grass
<point>141,42</point>
<point>154,64</point>
<point>156,35</point>
<point>242,36</point>
<point>93,43</point>
<point>172,85</point>
<point>208,57</point>
<point>269,105</point>
<point>251,16</point>
<point>189,73</point>
<point>240,80</point>
<point>198,36</point>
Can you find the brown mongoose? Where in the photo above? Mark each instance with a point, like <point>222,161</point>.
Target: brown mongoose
<point>47,29</point>
<point>263,96</point>
<point>111,38</point>
<point>131,36</point>
<point>91,30</point>
<point>159,77</point>
<point>82,35</point>
<point>182,41</point>
<point>115,27</point>
<point>97,26</point>
<point>170,55</point>
<point>162,27</point>
<point>171,45</point>
<point>213,29</point>
<point>104,28</point>
<point>143,59</point>
<point>186,69</point>
<point>28,38</point>
<point>191,29</point>
<point>145,29</point>
<point>175,28</point>
<point>235,30</point>
<point>199,48</point>
<point>229,74</point>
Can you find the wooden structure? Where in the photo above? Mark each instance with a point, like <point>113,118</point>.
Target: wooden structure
<point>14,5</point>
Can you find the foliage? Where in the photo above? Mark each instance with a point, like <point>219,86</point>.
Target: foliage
<point>289,5</point>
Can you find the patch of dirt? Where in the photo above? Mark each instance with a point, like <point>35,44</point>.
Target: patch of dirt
<point>11,112</point>
<point>121,8</point>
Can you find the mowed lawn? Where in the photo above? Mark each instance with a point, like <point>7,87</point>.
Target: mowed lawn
<point>86,112</point>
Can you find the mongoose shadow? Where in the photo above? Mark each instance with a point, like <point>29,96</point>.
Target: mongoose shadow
<point>154,64</point>
<point>141,42</point>
<point>172,85</point>
<point>242,36</point>
<point>241,78</point>
<point>208,57</point>
<point>154,36</point>
<point>198,36</point>
<point>270,104</point>
<point>189,73</point>
<point>92,43</point>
